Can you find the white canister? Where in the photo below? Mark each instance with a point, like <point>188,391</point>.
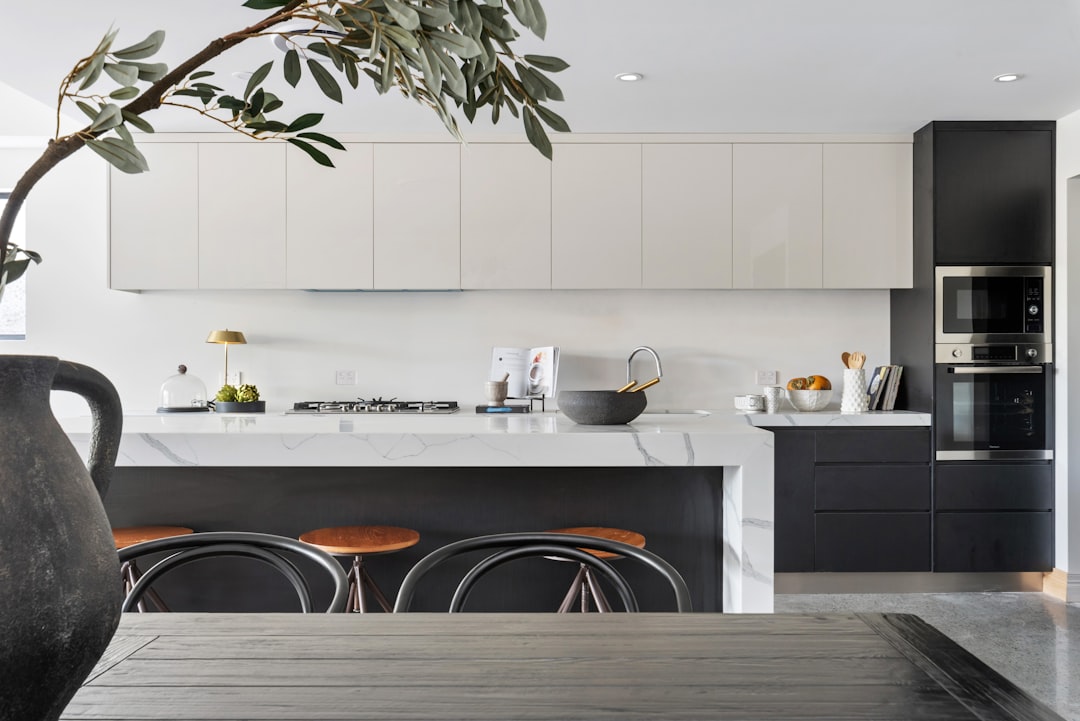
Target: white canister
<point>750,403</point>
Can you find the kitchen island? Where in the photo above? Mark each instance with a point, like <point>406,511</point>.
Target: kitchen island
<point>698,484</point>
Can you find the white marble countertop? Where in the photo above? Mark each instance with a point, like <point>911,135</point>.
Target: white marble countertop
<point>465,423</point>
<point>836,419</point>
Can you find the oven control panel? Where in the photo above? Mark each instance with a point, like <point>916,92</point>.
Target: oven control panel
<point>1022,353</point>
<point>1033,302</point>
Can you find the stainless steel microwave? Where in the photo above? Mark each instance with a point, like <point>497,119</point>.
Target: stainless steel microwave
<point>992,304</point>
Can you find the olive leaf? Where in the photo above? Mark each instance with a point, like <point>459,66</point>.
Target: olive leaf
<point>124,74</point>
<point>137,121</point>
<point>121,155</point>
<point>257,77</point>
<point>108,117</point>
<point>547,62</point>
<point>317,155</point>
<point>292,67</point>
<point>145,49</point>
<point>325,80</point>
<point>405,15</point>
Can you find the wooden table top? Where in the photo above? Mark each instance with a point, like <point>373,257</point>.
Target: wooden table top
<point>506,667</point>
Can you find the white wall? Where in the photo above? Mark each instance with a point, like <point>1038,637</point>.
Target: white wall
<point>1067,327</point>
<point>409,345</point>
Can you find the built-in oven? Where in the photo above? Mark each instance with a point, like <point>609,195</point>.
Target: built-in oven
<point>993,401</point>
<point>993,304</point>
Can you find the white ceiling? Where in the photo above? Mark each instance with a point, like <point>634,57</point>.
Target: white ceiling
<point>852,66</point>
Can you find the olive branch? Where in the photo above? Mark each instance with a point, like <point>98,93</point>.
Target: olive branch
<point>436,52</point>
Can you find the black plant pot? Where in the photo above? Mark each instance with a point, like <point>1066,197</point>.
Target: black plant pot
<point>60,588</point>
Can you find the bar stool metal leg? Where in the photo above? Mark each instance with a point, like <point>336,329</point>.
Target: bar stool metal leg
<point>598,596</point>
<point>131,575</point>
<point>586,586</point>
<point>359,581</point>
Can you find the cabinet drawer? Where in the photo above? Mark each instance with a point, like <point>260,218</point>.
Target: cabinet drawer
<point>867,542</point>
<point>872,488</point>
<point>1017,541</point>
<point>994,487</point>
<point>892,445</point>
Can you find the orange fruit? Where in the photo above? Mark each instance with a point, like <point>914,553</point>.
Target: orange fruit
<point>797,384</point>
<point>818,383</point>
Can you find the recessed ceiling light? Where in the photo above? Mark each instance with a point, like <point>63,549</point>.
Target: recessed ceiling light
<point>629,77</point>
<point>1008,77</point>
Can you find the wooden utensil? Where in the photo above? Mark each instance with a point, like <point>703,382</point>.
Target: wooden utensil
<point>845,357</point>
<point>857,360</point>
<point>645,385</point>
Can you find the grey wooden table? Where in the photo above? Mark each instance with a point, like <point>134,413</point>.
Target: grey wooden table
<point>541,666</point>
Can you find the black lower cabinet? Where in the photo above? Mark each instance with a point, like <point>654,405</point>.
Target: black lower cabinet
<point>853,499</point>
<point>994,516</point>
<point>870,542</point>
<point>862,500</point>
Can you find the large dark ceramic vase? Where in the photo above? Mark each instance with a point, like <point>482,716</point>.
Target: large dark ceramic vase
<point>60,588</point>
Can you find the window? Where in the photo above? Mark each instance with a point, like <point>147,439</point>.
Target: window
<point>13,303</point>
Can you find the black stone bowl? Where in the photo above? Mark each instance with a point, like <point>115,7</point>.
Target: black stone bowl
<point>601,408</point>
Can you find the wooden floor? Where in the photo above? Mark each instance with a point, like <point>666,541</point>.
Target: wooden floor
<point>541,666</point>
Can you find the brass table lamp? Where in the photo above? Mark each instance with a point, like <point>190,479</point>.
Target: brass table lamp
<point>226,338</point>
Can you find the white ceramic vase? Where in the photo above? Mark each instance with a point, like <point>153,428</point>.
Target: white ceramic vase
<point>854,398</point>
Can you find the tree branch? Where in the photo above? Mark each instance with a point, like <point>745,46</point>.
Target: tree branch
<point>60,148</point>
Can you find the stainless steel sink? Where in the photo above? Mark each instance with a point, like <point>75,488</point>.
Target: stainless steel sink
<point>676,412</point>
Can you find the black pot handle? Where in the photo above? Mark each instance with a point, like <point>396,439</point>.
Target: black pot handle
<point>107,414</point>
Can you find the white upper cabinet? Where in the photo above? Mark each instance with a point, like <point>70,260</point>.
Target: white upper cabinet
<point>330,219</point>
<point>749,213</point>
<point>686,215</point>
<point>867,215</point>
<point>776,227</point>
<point>596,216</point>
<point>505,216</point>
<point>242,215</point>
<point>154,221</point>
<point>417,216</point>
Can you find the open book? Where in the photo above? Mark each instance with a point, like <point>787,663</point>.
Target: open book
<point>532,370</point>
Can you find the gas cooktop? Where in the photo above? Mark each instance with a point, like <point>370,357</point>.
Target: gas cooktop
<point>375,405</point>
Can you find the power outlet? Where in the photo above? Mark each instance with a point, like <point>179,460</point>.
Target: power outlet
<point>766,378</point>
<point>233,378</point>
<point>345,378</point>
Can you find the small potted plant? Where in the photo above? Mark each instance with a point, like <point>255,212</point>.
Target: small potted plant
<point>243,399</point>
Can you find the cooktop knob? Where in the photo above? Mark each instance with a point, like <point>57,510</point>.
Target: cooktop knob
<point>1033,310</point>
<point>956,353</point>
<point>1032,352</point>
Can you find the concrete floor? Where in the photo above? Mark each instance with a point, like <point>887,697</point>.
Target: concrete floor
<point>1030,638</point>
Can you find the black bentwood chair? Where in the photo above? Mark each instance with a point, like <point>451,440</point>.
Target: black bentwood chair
<point>511,546</point>
<point>266,548</point>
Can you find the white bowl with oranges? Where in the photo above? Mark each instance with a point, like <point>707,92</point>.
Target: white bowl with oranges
<point>809,394</point>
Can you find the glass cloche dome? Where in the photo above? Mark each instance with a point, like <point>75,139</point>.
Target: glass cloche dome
<point>182,393</point>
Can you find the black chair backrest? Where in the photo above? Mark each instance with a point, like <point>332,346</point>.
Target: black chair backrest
<point>262,547</point>
<point>561,545</point>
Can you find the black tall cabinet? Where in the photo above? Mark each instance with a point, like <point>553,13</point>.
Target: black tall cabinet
<point>983,195</point>
<point>992,192</point>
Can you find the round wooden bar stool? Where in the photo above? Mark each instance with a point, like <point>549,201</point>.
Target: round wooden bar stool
<point>360,541</point>
<point>129,536</point>
<point>584,583</point>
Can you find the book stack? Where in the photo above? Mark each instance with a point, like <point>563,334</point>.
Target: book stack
<point>882,388</point>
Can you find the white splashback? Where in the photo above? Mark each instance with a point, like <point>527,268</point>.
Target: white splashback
<point>411,345</point>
